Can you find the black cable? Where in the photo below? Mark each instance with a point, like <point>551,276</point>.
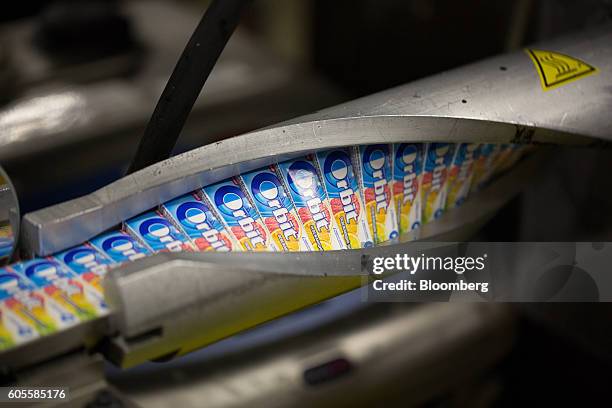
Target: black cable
<point>186,81</point>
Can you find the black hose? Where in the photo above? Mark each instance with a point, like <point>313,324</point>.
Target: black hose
<point>186,82</point>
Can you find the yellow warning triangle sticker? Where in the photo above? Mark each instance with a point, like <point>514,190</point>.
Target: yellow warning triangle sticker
<point>556,69</point>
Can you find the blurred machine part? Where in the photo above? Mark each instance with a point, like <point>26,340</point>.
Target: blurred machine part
<point>390,42</point>
<point>9,218</point>
<point>78,112</point>
<point>385,355</point>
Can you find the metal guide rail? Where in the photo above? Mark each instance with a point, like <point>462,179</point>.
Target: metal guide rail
<point>347,180</point>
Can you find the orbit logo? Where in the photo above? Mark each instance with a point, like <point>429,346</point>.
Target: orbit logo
<point>199,223</point>
<point>46,272</point>
<point>158,233</point>
<point>85,259</point>
<point>437,162</point>
<point>121,247</point>
<point>66,291</point>
<point>276,209</point>
<point>407,169</point>
<point>311,202</point>
<point>11,284</point>
<point>242,219</point>
<point>344,197</point>
<point>439,171</point>
<point>465,160</point>
<point>29,308</point>
<point>304,181</point>
<point>375,168</point>
<point>90,265</point>
<point>337,169</point>
<point>160,230</point>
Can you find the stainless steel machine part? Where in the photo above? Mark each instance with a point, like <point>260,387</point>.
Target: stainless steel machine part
<point>9,217</point>
<point>171,304</point>
<point>404,354</point>
<point>424,351</point>
<point>499,100</point>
